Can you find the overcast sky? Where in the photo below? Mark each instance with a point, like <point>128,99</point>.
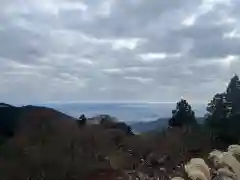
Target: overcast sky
<point>117,50</point>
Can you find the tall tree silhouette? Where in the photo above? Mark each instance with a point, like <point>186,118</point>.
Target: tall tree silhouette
<point>233,94</point>
<point>224,113</point>
<point>224,105</point>
<point>182,115</point>
<point>82,120</point>
<point>219,107</point>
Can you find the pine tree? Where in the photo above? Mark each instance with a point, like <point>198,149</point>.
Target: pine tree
<point>224,113</point>
<point>219,107</point>
<point>82,120</point>
<point>224,105</point>
<point>233,94</point>
<point>182,115</point>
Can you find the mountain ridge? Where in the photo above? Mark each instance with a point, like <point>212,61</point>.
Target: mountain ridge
<point>155,125</point>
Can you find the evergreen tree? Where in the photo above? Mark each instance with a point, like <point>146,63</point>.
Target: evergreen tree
<point>226,104</point>
<point>224,113</point>
<point>82,120</point>
<point>219,107</point>
<point>182,115</point>
<point>233,94</point>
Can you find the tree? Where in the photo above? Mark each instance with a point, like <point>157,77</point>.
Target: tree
<point>219,107</point>
<point>233,94</point>
<point>223,113</point>
<point>182,115</point>
<point>224,105</point>
<point>82,120</point>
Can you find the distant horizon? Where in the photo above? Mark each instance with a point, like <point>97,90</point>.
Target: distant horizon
<point>97,102</point>
<point>124,111</point>
<point>116,102</point>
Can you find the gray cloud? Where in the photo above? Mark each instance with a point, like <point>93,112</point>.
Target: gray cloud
<point>117,50</point>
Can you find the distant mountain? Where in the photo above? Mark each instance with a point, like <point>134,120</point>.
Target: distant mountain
<point>5,105</point>
<point>141,127</point>
<point>127,112</point>
<point>160,123</point>
<point>8,119</point>
<point>48,141</point>
<point>13,118</point>
<point>29,119</point>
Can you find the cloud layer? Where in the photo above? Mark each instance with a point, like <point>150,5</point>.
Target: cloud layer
<point>117,50</point>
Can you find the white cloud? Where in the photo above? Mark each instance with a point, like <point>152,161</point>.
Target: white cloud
<point>45,6</point>
<point>113,71</point>
<point>227,20</point>
<point>229,60</point>
<point>189,21</point>
<point>225,62</point>
<point>157,56</point>
<point>126,70</point>
<point>232,34</point>
<point>142,80</point>
<point>206,7</point>
<point>125,43</point>
<point>153,56</point>
<point>140,69</point>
